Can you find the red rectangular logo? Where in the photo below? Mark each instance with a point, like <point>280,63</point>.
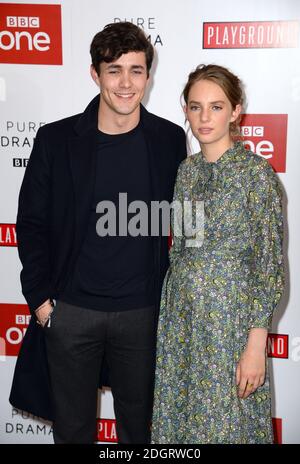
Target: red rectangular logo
<point>13,325</point>
<point>8,236</point>
<point>278,346</point>
<point>30,34</point>
<point>106,430</point>
<point>251,34</point>
<point>266,135</point>
<point>277,430</point>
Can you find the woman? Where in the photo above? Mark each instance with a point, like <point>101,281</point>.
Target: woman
<point>212,385</point>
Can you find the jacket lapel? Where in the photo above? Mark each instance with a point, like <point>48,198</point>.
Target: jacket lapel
<point>82,152</point>
<point>154,153</point>
<point>82,155</point>
<point>155,159</point>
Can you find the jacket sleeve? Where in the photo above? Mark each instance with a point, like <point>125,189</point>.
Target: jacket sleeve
<point>266,223</point>
<point>32,226</point>
<point>182,150</point>
<point>177,226</point>
<point>181,155</point>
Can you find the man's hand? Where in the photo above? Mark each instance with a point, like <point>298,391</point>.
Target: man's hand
<point>43,312</point>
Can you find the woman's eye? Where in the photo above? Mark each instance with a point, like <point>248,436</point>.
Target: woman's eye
<point>216,108</point>
<point>194,108</point>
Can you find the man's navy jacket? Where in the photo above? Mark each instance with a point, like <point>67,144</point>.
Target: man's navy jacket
<point>53,213</point>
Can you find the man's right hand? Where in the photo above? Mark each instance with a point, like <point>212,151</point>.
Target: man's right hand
<point>43,312</point>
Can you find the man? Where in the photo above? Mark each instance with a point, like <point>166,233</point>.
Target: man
<point>106,288</point>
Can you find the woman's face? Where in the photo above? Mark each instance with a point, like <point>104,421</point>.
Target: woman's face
<point>209,113</point>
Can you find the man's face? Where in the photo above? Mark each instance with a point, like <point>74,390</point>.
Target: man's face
<point>122,83</point>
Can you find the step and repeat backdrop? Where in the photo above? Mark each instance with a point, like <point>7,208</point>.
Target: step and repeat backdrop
<point>44,76</point>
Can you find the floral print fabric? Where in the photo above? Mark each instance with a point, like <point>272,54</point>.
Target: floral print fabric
<point>212,296</point>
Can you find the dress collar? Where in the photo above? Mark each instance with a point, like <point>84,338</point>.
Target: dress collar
<point>228,156</point>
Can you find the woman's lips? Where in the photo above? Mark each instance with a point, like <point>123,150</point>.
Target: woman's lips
<point>205,130</point>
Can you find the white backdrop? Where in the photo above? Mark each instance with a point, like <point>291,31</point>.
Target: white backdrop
<point>32,94</point>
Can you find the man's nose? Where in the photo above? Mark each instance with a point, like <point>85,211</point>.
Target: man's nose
<point>125,80</point>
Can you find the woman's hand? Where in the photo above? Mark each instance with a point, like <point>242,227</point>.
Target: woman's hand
<point>251,369</point>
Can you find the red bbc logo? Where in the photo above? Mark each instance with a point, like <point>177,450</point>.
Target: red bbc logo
<point>30,34</point>
<point>277,430</point>
<point>278,346</point>
<point>8,236</point>
<point>266,135</point>
<point>106,430</point>
<point>14,322</point>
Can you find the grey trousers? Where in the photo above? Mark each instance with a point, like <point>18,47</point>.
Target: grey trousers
<point>76,342</point>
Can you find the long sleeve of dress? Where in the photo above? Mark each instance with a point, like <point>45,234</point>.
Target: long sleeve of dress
<point>266,224</point>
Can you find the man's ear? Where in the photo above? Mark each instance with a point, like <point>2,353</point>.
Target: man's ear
<point>236,112</point>
<point>94,75</point>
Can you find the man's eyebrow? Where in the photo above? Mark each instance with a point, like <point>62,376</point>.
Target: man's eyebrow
<point>112,65</point>
<point>118,66</point>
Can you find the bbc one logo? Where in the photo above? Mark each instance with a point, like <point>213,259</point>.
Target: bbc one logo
<point>30,34</point>
<point>15,319</point>
<point>266,135</point>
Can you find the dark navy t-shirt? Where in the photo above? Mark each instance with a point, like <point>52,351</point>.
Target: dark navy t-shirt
<point>116,273</point>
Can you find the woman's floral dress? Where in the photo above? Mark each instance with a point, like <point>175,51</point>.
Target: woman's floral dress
<point>212,295</point>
